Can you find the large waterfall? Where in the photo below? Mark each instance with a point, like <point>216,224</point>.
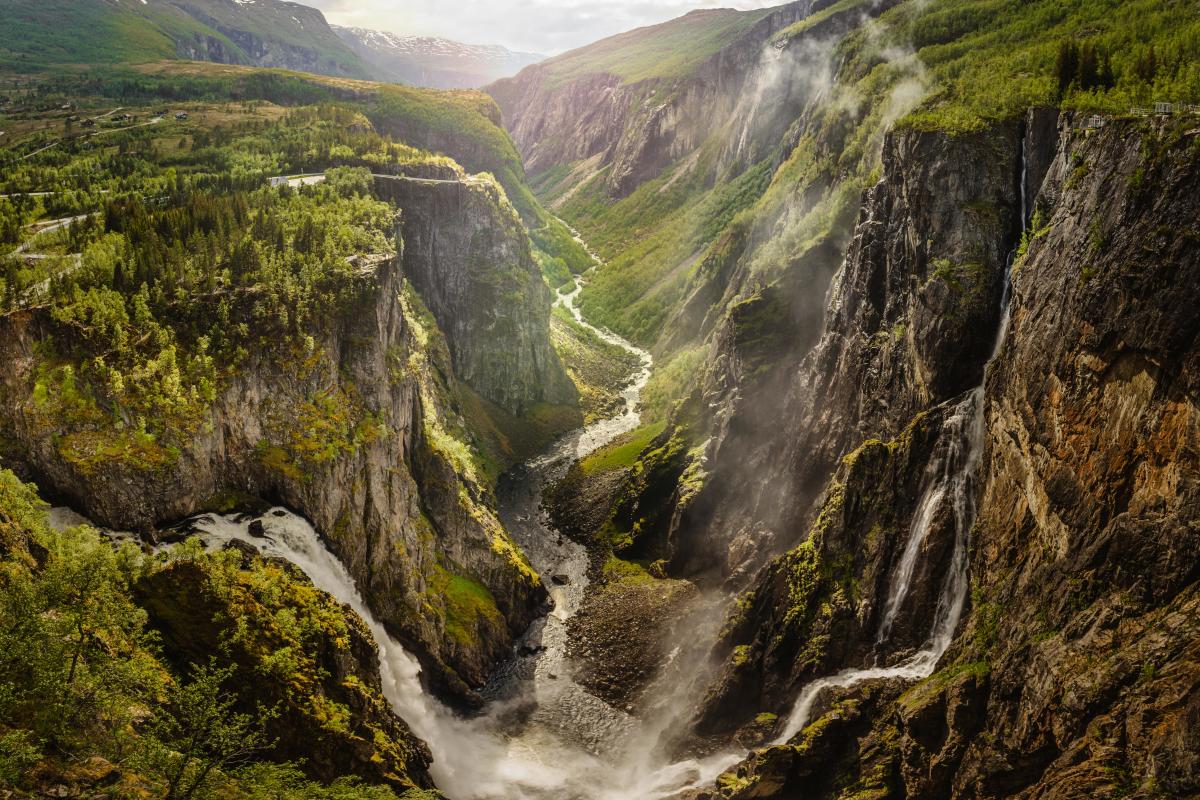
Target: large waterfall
<point>951,480</point>
<point>571,745</point>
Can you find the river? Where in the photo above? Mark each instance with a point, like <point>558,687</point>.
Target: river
<point>541,737</point>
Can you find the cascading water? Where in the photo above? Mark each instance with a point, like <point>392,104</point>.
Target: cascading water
<point>570,745</point>
<point>950,479</point>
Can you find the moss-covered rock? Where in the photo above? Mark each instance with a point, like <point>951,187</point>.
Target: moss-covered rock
<point>298,653</point>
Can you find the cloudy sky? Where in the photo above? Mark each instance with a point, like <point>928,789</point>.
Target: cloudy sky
<point>538,26</point>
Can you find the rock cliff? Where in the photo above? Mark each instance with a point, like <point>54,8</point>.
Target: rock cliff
<point>1074,673</point>
<point>466,254</point>
<point>365,433</point>
<point>634,128</point>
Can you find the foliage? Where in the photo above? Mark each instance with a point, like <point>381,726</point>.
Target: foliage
<point>670,50</point>
<point>74,655</point>
<point>992,60</point>
<point>198,737</point>
<point>81,674</point>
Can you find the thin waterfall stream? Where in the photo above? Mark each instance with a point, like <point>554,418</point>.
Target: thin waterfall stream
<point>950,479</point>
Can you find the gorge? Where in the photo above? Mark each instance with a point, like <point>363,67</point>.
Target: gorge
<point>796,402</point>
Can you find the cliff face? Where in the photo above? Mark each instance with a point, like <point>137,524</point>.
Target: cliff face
<point>364,435</point>
<point>1075,671</point>
<point>465,252</point>
<point>910,320</point>
<point>263,34</point>
<point>634,128</point>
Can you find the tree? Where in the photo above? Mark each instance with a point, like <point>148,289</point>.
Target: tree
<point>199,738</point>
<point>1146,66</point>
<point>1067,67</point>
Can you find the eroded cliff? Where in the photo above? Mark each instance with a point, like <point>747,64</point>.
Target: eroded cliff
<point>1074,672</point>
<point>366,428</point>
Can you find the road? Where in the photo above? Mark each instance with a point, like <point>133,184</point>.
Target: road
<point>49,227</point>
<point>91,134</point>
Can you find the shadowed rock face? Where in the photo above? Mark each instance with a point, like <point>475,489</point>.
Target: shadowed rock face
<point>910,321</point>
<point>466,254</point>
<point>392,503</point>
<point>1077,670</point>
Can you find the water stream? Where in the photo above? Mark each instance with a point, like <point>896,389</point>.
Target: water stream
<point>950,479</point>
<point>542,737</point>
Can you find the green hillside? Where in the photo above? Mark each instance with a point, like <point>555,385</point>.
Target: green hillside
<point>669,50</point>
<point>45,32</point>
<point>79,31</point>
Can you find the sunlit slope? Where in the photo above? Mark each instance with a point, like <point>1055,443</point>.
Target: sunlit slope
<point>269,33</point>
<point>668,50</point>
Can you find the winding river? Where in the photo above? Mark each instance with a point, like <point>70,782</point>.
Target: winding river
<point>542,737</point>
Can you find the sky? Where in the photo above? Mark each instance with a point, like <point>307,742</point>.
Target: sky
<point>548,27</point>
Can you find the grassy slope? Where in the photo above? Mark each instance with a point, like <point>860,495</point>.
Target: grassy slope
<point>79,31</point>
<point>670,50</point>
<point>976,60</point>
<point>128,31</point>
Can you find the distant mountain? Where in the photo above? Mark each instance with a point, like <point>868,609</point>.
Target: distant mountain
<point>263,33</point>
<point>433,62</point>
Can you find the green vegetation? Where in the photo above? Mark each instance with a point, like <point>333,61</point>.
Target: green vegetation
<point>467,605</point>
<point>169,295</point>
<point>669,50</point>
<point>651,237</point>
<point>40,32</point>
<point>599,369</point>
<point>992,60</point>
<point>85,682</point>
<point>79,32</point>
<point>624,452</point>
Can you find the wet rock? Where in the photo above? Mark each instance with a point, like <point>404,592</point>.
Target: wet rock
<point>247,551</point>
<point>257,529</point>
<point>560,579</point>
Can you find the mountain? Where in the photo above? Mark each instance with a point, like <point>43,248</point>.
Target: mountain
<point>897,309</point>
<point>263,33</point>
<point>433,62</point>
<point>799,402</point>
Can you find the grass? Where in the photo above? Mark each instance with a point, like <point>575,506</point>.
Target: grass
<point>670,50</point>
<point>618,570</point>
<point>624,452</point>
<point>100,32</point>
<point>77,32</point>
<point>467,603</point>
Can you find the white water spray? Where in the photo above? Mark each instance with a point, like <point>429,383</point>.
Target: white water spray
<point>954,481</point>
<point>571,745</point>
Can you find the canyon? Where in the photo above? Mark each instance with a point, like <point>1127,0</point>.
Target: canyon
<point>749,406</point>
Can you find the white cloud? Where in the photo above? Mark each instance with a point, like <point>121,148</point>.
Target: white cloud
<point>539,26</point>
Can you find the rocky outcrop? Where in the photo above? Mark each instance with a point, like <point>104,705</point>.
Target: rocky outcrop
<point>466,254</point>
<point>816,609</point>
<point>910,321</point>
<point>330,713</point>
<point>363,434</point>
<point>1076,672</point>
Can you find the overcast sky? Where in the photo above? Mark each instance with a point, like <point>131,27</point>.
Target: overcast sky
<point>537,26</point>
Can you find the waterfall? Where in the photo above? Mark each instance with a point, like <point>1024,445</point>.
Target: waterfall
<point>471,760</point>
<point>568,744</point>
<point>951,479</point>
